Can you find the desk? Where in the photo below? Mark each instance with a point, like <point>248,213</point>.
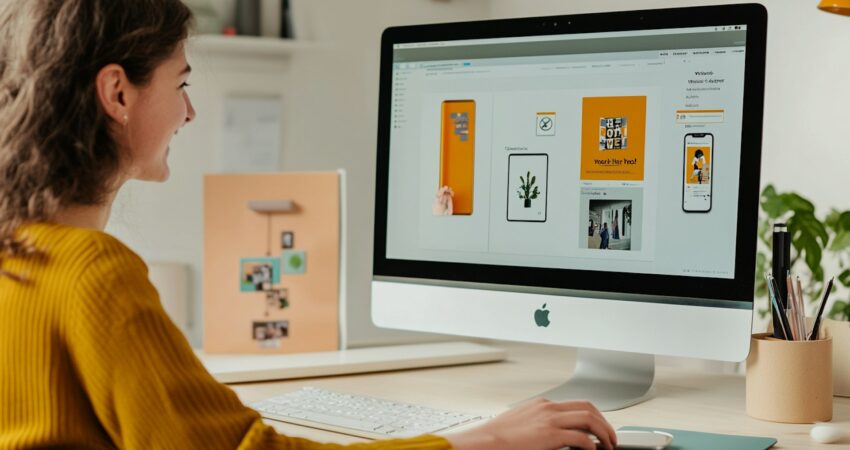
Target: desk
<point>684,399</point>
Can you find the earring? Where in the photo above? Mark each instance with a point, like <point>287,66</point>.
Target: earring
<point>126,120</point>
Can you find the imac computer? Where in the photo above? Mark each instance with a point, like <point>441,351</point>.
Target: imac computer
<point>588,181</point>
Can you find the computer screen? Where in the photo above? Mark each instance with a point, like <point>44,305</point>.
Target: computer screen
<point>616,152</point>
<point>602,153</point>
<point>603,168</point>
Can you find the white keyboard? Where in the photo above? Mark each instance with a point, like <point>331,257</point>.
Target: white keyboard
<point>359,415</point>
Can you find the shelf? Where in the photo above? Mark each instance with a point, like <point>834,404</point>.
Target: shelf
<point>246,45</point>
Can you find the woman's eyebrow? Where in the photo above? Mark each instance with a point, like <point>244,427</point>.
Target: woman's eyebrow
<point>186,69</point>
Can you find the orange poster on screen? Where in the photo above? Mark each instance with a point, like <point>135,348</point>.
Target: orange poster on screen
<point>613,137</point>
<point>457,153</point>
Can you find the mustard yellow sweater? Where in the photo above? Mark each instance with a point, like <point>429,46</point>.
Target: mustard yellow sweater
<point>89,359</point>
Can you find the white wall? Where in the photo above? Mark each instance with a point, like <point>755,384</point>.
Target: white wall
<point>329,121</point>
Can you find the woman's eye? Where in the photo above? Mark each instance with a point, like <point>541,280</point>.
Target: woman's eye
<point>184,85</point>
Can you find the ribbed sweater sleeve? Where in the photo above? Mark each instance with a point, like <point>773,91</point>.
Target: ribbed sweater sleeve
<point>146,386</point>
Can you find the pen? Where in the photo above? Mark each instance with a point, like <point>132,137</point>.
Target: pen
<point>782,314</point>
<point>791,304</point>
<point>778,313</point>
<point>801,309</point>
<point>814,335</point>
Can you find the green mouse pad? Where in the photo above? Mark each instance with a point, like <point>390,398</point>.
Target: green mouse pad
<point>694,440</point>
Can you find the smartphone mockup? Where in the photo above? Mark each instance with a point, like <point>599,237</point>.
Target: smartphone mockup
<point>457,153</point>
<point>698,179</point>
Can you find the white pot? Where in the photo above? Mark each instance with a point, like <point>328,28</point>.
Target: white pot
<point>840,333</point>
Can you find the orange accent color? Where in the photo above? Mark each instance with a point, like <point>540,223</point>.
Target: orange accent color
<point>625,164</point>
<point>457,156</point>
<point>232,231</point>
<point>690,178</point>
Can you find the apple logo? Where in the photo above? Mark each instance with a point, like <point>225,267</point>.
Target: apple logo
<point>541,316</point>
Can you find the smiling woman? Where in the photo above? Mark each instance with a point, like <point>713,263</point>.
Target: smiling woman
<point>91,93</point>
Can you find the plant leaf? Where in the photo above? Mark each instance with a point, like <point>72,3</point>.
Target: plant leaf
<point>797,203</point>
<point>814,255</point>
<point>772,203</point>
<point>844,278</point>
<point>841,241</point>
<point>840,311</point>
<point>844,220</point>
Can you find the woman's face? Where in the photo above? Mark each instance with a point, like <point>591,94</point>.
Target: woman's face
<point>162,108</point>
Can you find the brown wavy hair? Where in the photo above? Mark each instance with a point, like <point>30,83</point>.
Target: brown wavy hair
<point>56,144</point>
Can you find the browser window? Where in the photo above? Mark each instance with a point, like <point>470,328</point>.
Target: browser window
<point>611,151</point>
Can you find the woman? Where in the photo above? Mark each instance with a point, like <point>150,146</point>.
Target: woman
<point>698,164</point>
<point>91,92</point>
<point>603,235</point>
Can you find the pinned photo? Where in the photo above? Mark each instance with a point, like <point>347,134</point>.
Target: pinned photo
<point>258,274</point>
<point>287,239</point>
<point>268,334</point>
<point>277,298</point>
<point>294,262</point>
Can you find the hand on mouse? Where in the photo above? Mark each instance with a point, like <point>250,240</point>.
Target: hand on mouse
<point>540,425</point>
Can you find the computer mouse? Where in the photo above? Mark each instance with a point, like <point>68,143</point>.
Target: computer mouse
<point>826,433</point>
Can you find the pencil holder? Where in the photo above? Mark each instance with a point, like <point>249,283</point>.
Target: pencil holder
<point>789,381</point>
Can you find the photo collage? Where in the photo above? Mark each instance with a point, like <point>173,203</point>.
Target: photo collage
<point>263,274</point>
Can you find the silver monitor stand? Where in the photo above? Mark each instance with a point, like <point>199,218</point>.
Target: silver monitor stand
<point>611,380</point>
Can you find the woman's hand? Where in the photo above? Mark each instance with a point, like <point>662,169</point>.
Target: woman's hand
<point>540,425</point>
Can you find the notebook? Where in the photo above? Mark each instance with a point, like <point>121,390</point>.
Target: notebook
<point>694,440</point>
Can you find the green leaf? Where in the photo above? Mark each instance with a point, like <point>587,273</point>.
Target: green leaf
<point>832,220</point>
<point>840,311</point>
<point>814,254</point>
<point>797,203</point>
<point>841,241</point>
<point>765,231</point>
<point>844,220</point>
<point>844,278</point>
<point>772,204</point>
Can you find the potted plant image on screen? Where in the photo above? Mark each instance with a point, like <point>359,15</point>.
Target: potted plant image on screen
<point>610,225</point>
<point>457,159</point>
<point>527,186</point>
<point>528,189</point>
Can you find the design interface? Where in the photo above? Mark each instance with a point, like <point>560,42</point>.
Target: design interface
<point>587,151</point>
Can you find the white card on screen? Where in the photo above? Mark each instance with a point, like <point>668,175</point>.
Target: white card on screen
<point>641,440</point>
<point>826,433</point>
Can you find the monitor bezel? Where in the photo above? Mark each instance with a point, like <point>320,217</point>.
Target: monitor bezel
<point>737,289</point>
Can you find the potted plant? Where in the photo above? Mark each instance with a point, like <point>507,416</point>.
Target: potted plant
<point>527,189</point>
<point>814,241</point>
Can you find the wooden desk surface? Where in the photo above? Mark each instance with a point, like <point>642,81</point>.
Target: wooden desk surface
<point>684,399</point>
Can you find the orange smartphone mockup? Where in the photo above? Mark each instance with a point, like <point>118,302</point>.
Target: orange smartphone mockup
<point>457,153</point>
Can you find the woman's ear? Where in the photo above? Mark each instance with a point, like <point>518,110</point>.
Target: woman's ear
<point>115,92</point>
